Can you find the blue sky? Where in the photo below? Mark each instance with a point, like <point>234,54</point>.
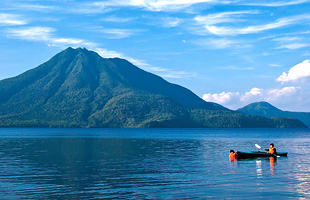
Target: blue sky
<point>232,52</point>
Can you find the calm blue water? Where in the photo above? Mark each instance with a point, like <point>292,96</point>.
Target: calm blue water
<point>151,164</point>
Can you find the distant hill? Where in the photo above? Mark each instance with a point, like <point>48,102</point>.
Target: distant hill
<point>78,88</point>
<point>267,110</point>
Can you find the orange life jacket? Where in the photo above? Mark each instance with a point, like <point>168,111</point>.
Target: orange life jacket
<point>232,155</point>
<point>272,150</point>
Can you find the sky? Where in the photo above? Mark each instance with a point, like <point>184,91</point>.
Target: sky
<point>232,52</point>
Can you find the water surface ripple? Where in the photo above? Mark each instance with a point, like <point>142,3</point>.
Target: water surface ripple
<point>151,164</point>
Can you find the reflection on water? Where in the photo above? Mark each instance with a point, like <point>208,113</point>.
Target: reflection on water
<point>259,168</point>
<point>261,165</point>
<point>301,172</point>
<point>272,161</point>
<point>155,165</point>
<point>233,160</point>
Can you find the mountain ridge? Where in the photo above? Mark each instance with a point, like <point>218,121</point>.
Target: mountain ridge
<point>79,88</point>
<point>267,110</point>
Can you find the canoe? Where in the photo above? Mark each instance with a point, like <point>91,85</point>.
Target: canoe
<point>255,154</point>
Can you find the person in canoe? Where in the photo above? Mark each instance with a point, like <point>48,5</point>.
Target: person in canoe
<point>272,149</point>
<point>232,155</point>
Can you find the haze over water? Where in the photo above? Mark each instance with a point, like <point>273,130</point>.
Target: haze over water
<point>151,164</point>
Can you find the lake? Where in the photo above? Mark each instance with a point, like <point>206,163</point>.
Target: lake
<point>151,164</point>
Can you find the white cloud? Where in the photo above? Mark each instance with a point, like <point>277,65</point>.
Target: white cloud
<point>108,54</point>
<point>298,72</point>
<point>288,36</point>
<point>235,100</point>
<point>220,43</point>
<point>266,53</point>
<point>293,46</point>
<point>283,92</point>
<point>72,41</point>
<point>11,20</point>
<point>289,98</point>
<point>118,33</point>
<point>255,94</point>
<point>153,5</point>
<point>176,74</point>
<point>223,17</point>
<point>114,54</point>
<point>287,39</point>
<point>165,21</point>
<point>215,43</point>
<point>35,7</point>
<point>237,68</point>
<point>290,43</point>
<point>47,35</point>
<point>274,65</point>
<point>282,22</point>
<point>170,22</point>
<point>275,4</point>
<point>116,19</point>
<point>167,73</point>
<point>306,54</point>
<point>224,98</point>
<point>32,33</point>
<point>160,5</point>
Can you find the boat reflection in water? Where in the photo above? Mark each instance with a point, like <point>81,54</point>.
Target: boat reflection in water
<point>272,161</point>
<point>259,168</point>
<point>260,163</point>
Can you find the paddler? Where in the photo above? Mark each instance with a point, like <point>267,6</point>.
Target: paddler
<point>272,149</point>
<point>232,155</point>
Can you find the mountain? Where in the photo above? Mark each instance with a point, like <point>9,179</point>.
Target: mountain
<point>78,88</point>
<point>267,110</point>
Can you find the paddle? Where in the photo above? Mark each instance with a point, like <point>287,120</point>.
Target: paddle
<point>259,147</point>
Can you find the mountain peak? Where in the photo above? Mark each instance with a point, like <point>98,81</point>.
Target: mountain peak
<point>78,86</point>
<point>262,106</point>
<point>267,110</point>
<point>76,51</point>
<point>80,49</point>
